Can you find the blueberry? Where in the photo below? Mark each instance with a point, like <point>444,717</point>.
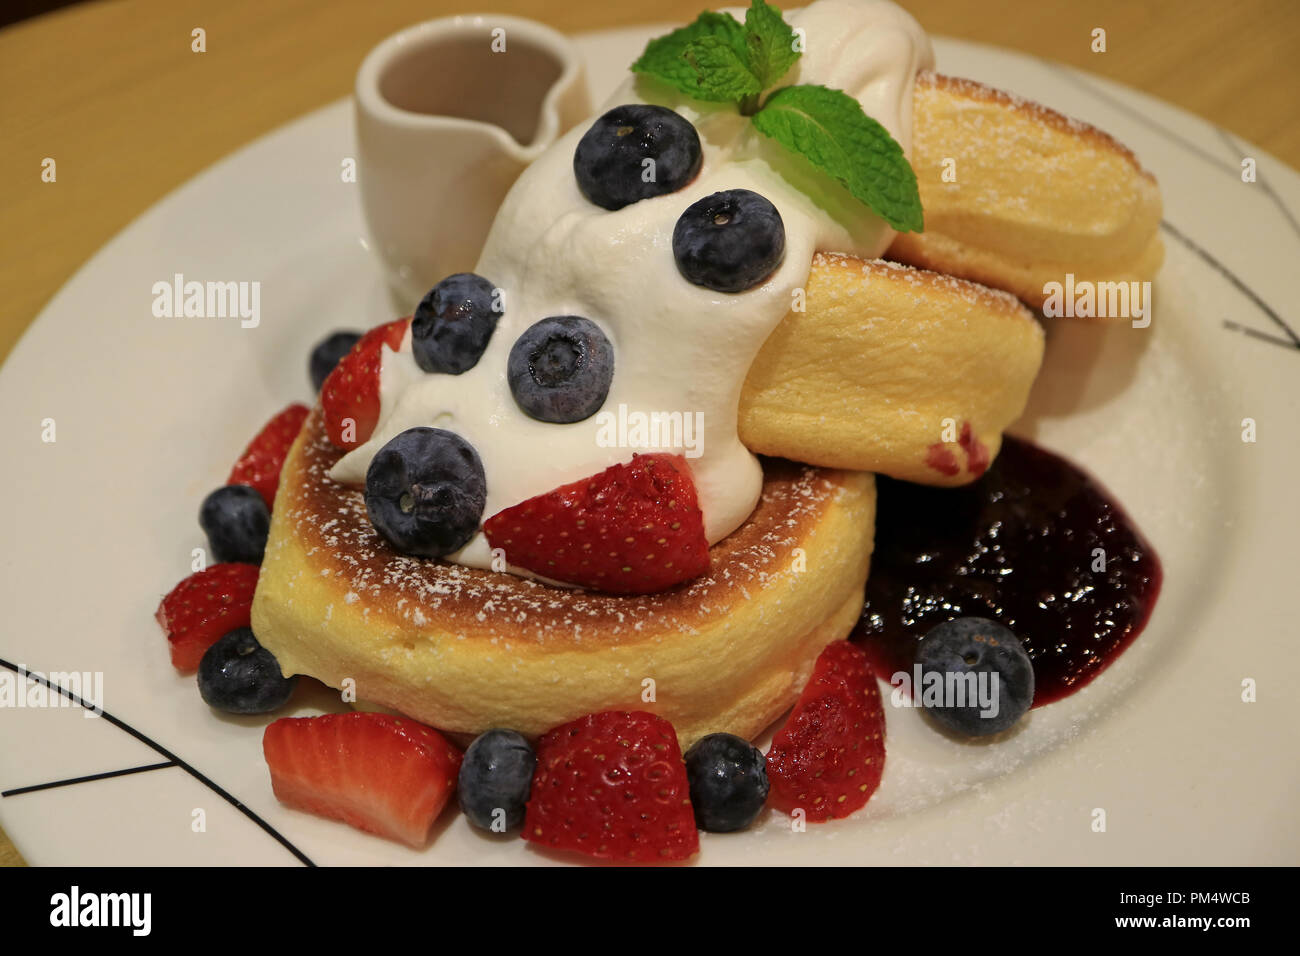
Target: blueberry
<point>495,778</point>
<point>452,324</point>
<point>327,353</point>
<point>728,778</point>
<point>611,165</point>
<point>240,676</point>
<point>425,492</point>
<point>987,650</point>
<point>236,520</point>
<point>560,369</point>
<point>730,241</point>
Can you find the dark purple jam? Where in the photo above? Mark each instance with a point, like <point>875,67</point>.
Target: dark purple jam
<point>1018,546</point>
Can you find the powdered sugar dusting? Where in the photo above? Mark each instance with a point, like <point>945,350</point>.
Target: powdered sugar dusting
<point>925,281</point>
<point>1048,118</point>
<point>331,523</point>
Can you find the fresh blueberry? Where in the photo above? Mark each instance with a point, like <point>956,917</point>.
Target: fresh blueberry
<point>993,682</point>
<point>495,778</point>
<point>240,676</point>
<point>730,241</point>
<point>728,778</point>
<point>635,152</point>
<point>425,492</point>
<point>236,520</point>
<point>327,353</point>
<point>560,369</point>
<point>452,324</point>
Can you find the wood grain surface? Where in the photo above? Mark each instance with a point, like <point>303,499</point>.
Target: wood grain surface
<point>112,91</point>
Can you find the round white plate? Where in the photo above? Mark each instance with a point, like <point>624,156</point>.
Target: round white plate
<point>150,412</point>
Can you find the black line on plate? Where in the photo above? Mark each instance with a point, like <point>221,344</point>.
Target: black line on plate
<point>1228,274</point>
<point>164,752</point>
<point>1077,79</point>
<point>1269,191</point>
<point>94,776</point>
<point>1257,334</point>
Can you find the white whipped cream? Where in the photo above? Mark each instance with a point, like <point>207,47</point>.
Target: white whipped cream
<point>678,347</point>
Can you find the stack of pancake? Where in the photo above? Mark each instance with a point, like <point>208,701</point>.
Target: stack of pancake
<point>893,369</point>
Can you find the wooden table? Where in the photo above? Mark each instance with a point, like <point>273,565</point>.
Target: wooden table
<point>114,93</point>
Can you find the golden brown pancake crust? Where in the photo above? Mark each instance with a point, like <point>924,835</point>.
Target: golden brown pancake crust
<point>331,522</point>
<point>887,368</point>
<point>464,649</point>
<point>972,90</point>
<point>1032,195</point>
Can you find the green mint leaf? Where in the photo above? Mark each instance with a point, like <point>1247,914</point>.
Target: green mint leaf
<point>829,129</point>
<point>770,41</point>
<point>721,75</point>
<point>665,57</point>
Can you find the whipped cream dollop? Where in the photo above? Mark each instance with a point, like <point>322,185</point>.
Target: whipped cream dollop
<point>678,348</point>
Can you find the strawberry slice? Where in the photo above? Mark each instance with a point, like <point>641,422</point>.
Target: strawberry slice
<point>259,466</point>
<point>350,395</point>
<point>204,607</point>
<point>378,773</point>
<point>635,528</point>
<point>829,756</point>
<point>613,786</point>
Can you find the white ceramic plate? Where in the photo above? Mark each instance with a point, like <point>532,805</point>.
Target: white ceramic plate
<point>149,414</point>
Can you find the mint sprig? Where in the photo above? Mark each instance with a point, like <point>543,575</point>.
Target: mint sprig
<point>771,43</point>
<point>665,56</point>
<point>830,130</point>
<point>720,73</point>
<point>719,60</point>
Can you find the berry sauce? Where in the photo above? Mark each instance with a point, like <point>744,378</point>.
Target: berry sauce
<point>1017,546</point>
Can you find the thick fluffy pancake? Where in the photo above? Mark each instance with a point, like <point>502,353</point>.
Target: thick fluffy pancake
<point>465,650</point>
<point>893,370</point>
<point>1036,195</point>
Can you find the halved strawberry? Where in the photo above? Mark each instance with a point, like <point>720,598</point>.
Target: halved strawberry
<point>350,395</point>
<point>613,786</point>
<point>204,607</point>
<point>634,528</point>
<point>378,773</point>
<point>829,756</point>
<point>259,466</point>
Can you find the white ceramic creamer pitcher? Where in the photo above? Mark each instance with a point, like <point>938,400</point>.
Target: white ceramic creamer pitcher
<point>448,114</point>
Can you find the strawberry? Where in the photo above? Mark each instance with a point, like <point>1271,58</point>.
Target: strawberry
<point>203,608</point>
<point>378,773</point>
<point>829,756</point>
<point>350,395</point>
<point>613,786</point>
<point>259,466</point>
<point>634,528</point>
